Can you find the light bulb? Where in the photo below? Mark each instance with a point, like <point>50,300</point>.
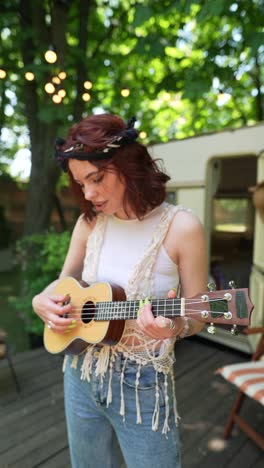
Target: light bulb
<point>62,75</point>
<point>125,92</point>
<point>56,98</point>
<point>62,93</point>
<point>49,88</point>
<point>56,80</point>
<point>29,76</point>
<point>50,56</point>
<point>2,73</point>
<point>88,85</point>
<point>86,97</point>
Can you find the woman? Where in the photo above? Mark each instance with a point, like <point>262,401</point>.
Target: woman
<point>129,236</point>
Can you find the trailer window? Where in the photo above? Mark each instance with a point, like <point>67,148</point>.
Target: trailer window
<point>232,215</point>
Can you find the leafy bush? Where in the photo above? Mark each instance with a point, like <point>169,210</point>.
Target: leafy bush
<point>40,257</point>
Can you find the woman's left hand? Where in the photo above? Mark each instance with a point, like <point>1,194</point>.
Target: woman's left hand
<point>160,327</point>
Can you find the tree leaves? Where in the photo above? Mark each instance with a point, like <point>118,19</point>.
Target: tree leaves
<point>142,14</point>
<point>255,40</point>
<point>174,57</point>
<point>145,46</point>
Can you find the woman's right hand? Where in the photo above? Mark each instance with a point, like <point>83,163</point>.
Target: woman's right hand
<point>49,307</point>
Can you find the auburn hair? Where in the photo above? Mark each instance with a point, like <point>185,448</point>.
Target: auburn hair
<point>143,176</point>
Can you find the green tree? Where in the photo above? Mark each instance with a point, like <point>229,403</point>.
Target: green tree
<point>176,59</point>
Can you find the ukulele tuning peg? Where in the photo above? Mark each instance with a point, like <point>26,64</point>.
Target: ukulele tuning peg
<point>211,329</point>
<point>211,286</point>
<point>232,284</point>
<point>234,330</point>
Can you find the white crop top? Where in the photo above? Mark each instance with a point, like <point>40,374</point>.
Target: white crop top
<point>125,242</point>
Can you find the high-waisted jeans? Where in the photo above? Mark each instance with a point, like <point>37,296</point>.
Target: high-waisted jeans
<point>94,428</point>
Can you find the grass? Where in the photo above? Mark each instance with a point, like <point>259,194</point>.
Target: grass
<point>9,316</point>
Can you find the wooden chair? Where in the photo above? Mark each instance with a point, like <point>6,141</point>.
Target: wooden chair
<point>249,378</point>
<point>5,353</point>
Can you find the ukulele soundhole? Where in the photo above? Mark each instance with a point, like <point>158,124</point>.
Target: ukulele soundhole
<point>88,311</point>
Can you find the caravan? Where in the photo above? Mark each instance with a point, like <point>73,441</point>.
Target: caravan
<point>214,175</point>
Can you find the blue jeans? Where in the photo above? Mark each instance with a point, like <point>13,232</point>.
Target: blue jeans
<point>94,429</point>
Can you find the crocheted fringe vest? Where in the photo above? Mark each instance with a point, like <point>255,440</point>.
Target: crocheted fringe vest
<point>143,350</point>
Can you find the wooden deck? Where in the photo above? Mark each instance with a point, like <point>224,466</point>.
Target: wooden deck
<point>32,424</point>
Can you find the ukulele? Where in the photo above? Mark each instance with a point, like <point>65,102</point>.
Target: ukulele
<point>101,309</point>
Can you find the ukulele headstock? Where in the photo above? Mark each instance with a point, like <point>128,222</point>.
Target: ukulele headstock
<point>224,307</point>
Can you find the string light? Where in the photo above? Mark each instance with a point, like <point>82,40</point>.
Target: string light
<point>56,80</point>
<point>29,76</point>
<point>49,88</point>
<point>86,97</point>
<point>56,98</point>
<point>50,55</point>
<point>62,93</point>
<point>62,75</point>
<point>2,74</point>
<point>88,85</point>
<point>125,92</point>
<point>143,135</point>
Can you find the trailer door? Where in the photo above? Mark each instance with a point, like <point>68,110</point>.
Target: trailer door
<point>230,221</point>
<point>257,273</point>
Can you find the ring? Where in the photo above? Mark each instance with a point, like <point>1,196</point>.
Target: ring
<point>171,325</point>
<point>50,324</point>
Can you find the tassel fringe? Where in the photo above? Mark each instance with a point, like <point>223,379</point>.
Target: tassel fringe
<point>109,392</point>
<point>166,426</point>
<point>105,362</point>
<point>139,419</point>
<point>176,414</point>
<point>122,402</point>
<point>102,362</point>
<point>65,360</point>
<point>86,368</point>
<point>155,417</point>
<point>74,363</point>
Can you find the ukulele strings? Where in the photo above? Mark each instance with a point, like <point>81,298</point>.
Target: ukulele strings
<point>134,316</point>
<point>117,308</point>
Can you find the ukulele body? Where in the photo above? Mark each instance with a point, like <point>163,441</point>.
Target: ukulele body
<point>88,330</point>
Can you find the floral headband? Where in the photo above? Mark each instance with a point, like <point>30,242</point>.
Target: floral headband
<point>77,151</point>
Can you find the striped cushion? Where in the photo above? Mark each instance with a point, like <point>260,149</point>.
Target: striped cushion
<point>248,377</point>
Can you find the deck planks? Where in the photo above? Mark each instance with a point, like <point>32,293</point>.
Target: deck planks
<point>32,423</point>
